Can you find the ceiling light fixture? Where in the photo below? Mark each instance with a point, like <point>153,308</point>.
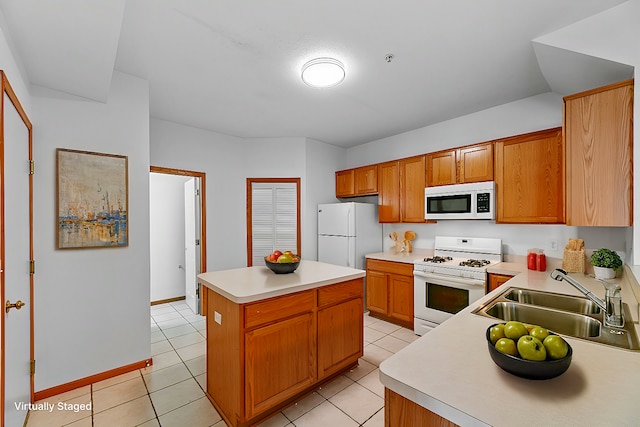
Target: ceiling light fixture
<point>323,72</point>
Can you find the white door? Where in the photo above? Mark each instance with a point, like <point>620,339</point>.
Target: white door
<point>338,250</point>
<point>192,243</point>
<point>16,271</point>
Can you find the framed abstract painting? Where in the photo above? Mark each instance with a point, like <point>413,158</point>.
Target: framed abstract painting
<point>92,200</point>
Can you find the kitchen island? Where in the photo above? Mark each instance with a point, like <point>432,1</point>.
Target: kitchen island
<point>448,375</point>
<point>272,338</point>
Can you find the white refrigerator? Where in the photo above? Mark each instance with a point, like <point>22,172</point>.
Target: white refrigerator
<point>347,232</point>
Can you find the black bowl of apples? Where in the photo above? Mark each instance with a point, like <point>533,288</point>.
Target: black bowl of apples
<point>282,262</point>
<point>528,351</point>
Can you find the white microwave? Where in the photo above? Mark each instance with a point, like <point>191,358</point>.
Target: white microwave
<point>460,201</point>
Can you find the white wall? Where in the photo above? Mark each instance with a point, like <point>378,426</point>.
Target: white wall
<point>11,65</point>
<point>167,241</point>
<point>91,305</point>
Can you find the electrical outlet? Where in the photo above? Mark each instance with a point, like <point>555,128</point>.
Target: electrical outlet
<point>554,245</point>
<point>217,317</point>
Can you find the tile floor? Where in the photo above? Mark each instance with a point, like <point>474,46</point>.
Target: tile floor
<point>171,392</point>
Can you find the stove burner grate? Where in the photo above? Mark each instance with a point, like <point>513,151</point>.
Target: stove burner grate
<point>438,259</point>
<point>475,263</point>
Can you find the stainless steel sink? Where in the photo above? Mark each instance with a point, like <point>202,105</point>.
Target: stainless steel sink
<point>571,303</point>
<point>570,315</point>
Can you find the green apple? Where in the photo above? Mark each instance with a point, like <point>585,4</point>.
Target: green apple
<point>531,348</point>
<point>539,332</point>
<point>515,330</point>
<point>556,346</point>
<point>506,346</point>
<point>496,332</point>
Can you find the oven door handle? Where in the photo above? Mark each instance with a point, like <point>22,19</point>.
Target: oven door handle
<point>439,279</point>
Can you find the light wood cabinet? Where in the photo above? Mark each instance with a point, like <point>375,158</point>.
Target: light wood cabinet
<point>389,192</point>
<point>462,165</point>
<point>390,291</point>
<point>529,178</point>
<point>345,183</point>
<point>262,355</point>
<point>402,412</point>
<point>362,181</point>
<point>598,128</point>
<point>497,280</point>
<point>412,183</point>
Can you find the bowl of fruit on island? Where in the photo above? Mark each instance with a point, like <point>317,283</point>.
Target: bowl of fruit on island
<point>528,351</point>
<point>282,262</point>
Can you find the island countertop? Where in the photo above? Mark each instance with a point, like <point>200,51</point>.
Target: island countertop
<point>249,284</point>
<point>450,372</point>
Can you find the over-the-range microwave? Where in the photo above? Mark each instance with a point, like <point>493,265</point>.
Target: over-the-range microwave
<point>460,201</point>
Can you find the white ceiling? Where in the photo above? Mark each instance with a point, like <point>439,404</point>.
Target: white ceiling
<point>234,66</point>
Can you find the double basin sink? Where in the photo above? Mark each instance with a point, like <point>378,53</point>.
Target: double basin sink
<point>569,315</point>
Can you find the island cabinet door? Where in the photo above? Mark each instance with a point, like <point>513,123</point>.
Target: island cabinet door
<point>340,336</point>
<point>280,361</point>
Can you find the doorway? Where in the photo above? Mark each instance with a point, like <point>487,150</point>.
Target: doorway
<point>178,235</point>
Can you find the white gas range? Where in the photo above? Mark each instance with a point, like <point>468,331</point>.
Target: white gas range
<point>452,279</point>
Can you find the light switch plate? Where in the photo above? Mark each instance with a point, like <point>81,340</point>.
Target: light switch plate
<point>217,317</point>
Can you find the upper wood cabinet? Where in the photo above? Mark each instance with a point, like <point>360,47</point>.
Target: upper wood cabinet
<point>529,178</point>
<point>345,183</point>
<point>389,192</point>
<point>412,183</point>
<point>598,136</point>
<point>462,165</point>
<point>362,181</point>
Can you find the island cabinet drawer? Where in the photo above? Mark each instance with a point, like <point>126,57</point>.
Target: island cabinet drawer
<point>402,268</point>
<point>279,308</point>
<point>333,294</point>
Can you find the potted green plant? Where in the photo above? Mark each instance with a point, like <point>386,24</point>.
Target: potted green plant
<point>605,263</point>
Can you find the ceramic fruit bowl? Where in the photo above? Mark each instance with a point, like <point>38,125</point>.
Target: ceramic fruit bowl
<point>529,369</point>
<point>282,267</point>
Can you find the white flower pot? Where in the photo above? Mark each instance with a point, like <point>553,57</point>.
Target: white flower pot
<point>604,273</point>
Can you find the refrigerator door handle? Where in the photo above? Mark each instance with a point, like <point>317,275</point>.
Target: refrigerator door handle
<point>349,244</point>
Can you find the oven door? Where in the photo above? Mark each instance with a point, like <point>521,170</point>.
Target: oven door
<point>438,297</point>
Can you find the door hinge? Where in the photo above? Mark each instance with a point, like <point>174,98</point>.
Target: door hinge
<point>197,242</point>
<point>32,266</point>
<point>197,191</point>
<point>32,367</point>
<point>32,167</point>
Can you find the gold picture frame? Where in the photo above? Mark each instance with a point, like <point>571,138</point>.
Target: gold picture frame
<point>92,200</point>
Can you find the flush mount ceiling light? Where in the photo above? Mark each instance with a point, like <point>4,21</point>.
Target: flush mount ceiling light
<point>323,72</point>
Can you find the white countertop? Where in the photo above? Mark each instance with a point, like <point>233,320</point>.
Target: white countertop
<point>248,284</point>
<point>405,257</point>
<point>450,372</point>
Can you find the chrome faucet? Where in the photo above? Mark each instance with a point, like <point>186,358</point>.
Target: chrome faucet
<point>612,306</point>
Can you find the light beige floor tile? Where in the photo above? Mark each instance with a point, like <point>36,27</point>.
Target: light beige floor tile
<point>118,394</point>
<point>376,421</point>
<point>85,422</point>
<point>220,423</point>
<point>61,415</point>
<point>162,378</point>
<point>381,326</point>
<point>71,394</point>
<point>372,335</point>
<point>405,335</point>
<point>175,396</point>
<point>202,380</point>
<point>375,355</point>
<point>192,351</point>
<point>197,365</point>
<point>172,324</point>
<point>160,347</point>
<point>371,382</point>
<point>131,413</point>
<point>192,318</point>
<point>325,415</point>
<point>161,309</point>
<point>179,305</point>
<point>392,344</point>
<point>159,318</point>
<point>200,326</point>
<point>368,320</point>
<point>185,340</point>
<point>157,336</point>
<point>278,420</point>
<point>199,413</point>
<point>115,380</point>
<point>335,386</point>
<point>151,423</point>
<point>361,370</point>
<point>178,330</point>
<point>358,402</point>
<point>162,360</point>
<point>303,406</point>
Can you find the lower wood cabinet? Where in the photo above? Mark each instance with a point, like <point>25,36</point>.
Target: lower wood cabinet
<point>497,280</point>
<point>402,412</point>
<point>390,291</point>
<point>262,356</point>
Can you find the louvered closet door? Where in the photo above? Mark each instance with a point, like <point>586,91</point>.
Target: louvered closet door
<point>274,219</point>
